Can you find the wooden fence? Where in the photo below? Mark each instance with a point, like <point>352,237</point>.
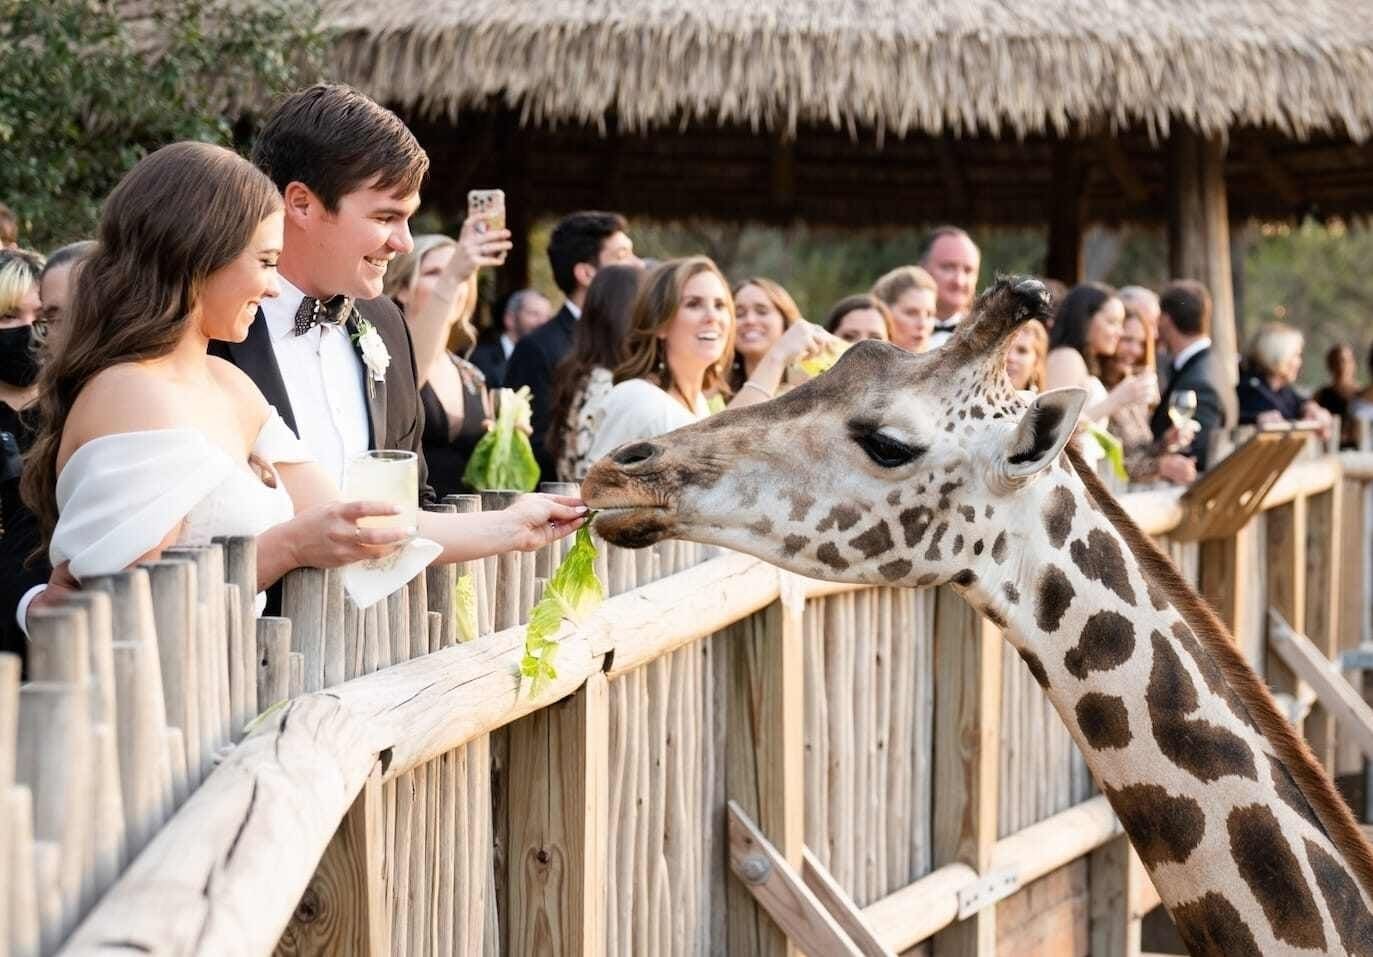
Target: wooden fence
<point>401,794</point>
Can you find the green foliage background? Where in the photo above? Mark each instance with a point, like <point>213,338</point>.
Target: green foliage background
<point>85,93</point>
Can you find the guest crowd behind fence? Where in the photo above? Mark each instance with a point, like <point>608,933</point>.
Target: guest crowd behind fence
<point>1267,388</point>
<point>521,313</point>
<point>435,290</point>
<point>910,294</point>
<point>864,316</point>
<point>579,245</point>
<point>585,377</point>
<point>953,259</point>
<point>1184,327</point>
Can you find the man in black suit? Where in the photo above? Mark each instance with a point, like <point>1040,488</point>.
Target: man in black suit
<point>580,244</point>
<point>1183,327</point>
<point>522,313</point>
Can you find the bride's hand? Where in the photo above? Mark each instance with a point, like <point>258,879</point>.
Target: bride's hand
<point>327,536</point>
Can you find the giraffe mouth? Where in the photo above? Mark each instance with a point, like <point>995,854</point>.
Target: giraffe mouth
<point>633,526</point>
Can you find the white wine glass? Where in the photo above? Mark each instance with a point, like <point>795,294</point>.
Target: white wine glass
<point>385,475</point>
<point>1182,406</point>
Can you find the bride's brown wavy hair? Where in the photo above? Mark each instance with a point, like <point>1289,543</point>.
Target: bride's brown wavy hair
<point>181,214</point>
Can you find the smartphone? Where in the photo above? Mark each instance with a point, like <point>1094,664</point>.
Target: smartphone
<point>489,204</point>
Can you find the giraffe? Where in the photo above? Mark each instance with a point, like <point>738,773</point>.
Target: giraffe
<point>921,470</point>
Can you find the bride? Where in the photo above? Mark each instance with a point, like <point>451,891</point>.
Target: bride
<point>147,441</point>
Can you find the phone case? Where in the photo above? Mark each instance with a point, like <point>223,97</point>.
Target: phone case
<point>489,204</point>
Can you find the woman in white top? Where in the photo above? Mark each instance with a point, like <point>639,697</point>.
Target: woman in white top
<point>679,350</point>
<point>148,441</point>
<point>1086,330</point>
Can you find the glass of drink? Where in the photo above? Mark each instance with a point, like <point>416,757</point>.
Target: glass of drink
<point>385,475</point>
<point>1182,405</point>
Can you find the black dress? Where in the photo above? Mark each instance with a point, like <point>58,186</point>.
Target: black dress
<point>18,531</point>
<point>447,459</point>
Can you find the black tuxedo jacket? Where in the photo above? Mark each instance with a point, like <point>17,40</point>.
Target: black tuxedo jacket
<point>1202,376</point>
<point>490,358</point>
<point>395,414</point>
<point>533,363</point>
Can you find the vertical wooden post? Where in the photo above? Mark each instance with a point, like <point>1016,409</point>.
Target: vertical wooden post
<point>1324,519</point>
<point>1199,237</point>
<point>764,760</point>
<point>1224,574</point>
<point>1067,213</point>
<point>1286,583</point>
<point>558,825</point>
<point>967,715</point>
<point>344,910</point>
<point>1353,558</point>
<point>1113,926</point>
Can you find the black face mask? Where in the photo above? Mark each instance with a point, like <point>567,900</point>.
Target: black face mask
<point>18,356</point>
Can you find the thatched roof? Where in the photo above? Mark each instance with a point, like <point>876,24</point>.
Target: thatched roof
<point>999,66</point>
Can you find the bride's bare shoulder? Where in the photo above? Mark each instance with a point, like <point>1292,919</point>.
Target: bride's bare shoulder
<point>126,398</point>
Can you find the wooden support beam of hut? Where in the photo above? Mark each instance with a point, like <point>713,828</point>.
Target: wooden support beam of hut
<point>764,758</point>
<point>1199,239</point>
<point>1122,170</point>
<point>559,816</point>
<point>967,710</point>
<point>1067,213</point>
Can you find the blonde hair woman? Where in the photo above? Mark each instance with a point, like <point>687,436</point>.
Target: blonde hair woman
<point>770,337</point>
<point>1026,355</point>
<point>438,301</point>
<point>911,294</point>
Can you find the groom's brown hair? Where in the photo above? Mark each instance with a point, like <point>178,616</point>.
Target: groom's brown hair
<point>334,140</point>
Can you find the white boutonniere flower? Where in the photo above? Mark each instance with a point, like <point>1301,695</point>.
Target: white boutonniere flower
<point>374,353</point>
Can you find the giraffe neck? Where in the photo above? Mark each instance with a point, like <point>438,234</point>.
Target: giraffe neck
<point>1238,855</point>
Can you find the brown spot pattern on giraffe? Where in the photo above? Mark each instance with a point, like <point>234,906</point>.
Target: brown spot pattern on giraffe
<point>1104,721</point>
<point>932,553</point>
<point>928,578</point>
<point>914,523</point>
<point>792,545</point>
<point>1352,920</point>
<point>1011,592</point>
<point>1055,595</point>
<point>1268,866</point>
<point>1211,674</point>
<point>895,571</point>
<point>1211,927</point>
<point>1292,795</point>
<point>761,527</point>
<point>1107,641</point>
<point>874,541</point>
<point>1100,559</point>
<point>999,548</point>
<point>842,516</point>
<point>801,505</point>
<point>1163,827</point>
<point>1205,750</point>
<point>829,554</point>
<point>1059,509</point>
<point>1156,596</point>
<point>958,543</point>
<point>1036,667</point>
<point>968,512</point>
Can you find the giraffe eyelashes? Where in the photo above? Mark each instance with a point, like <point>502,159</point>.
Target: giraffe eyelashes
<point>886,451</point>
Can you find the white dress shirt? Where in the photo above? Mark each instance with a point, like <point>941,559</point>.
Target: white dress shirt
<point>939,337</point>
<point>1186,354</point>
<point>507,345</point>
<point>324,380</point>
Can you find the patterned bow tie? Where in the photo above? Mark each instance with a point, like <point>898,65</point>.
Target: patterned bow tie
<point>314,312</point>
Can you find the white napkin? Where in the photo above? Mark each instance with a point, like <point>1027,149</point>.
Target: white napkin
<point>369,582</point>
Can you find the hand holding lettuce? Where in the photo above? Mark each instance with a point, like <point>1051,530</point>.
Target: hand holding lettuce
<point>503,459</point>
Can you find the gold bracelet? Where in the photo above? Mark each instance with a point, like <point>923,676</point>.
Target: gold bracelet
<point>751,384</point>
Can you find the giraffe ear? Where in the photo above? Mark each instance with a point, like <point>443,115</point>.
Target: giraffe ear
<point>1044,429</point>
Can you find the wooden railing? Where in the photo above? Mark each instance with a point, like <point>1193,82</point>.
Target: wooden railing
<point>411,798</point>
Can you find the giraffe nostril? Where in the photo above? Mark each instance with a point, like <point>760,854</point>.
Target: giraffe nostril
<point>636,454</point>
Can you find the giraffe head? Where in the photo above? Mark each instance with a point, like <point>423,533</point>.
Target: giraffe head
<point>890,468</point>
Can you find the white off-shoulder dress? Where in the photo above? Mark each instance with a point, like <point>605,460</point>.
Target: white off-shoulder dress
<point>119,495</point>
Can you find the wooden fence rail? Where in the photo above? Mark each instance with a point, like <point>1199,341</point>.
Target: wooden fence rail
<point>402,794</point>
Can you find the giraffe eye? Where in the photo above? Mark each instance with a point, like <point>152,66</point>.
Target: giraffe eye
<point>886,451</point>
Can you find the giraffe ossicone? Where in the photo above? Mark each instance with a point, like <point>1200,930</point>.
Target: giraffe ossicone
<point>919,470</point>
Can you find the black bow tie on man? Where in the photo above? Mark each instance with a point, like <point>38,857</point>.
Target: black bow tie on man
<point>949,327</point>
<point>314,312</point>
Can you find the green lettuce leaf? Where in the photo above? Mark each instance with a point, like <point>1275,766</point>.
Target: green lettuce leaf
<point>503,459</point>
<point>822,362</point>
<point>465,607</point>
<point>572,593</point>
<point>1115,452</point>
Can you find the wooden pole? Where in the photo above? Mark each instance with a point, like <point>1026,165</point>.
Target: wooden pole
<point>967,653</point>
<point>765,756</point>
<point>1199,238</point>
<point>1324,516</point>
<point>240,569</point>
<point>1286,527</point>
<point>558,825</point>
<point>173,584</point>
<point>273,661</point>
<point>1066,213</point>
